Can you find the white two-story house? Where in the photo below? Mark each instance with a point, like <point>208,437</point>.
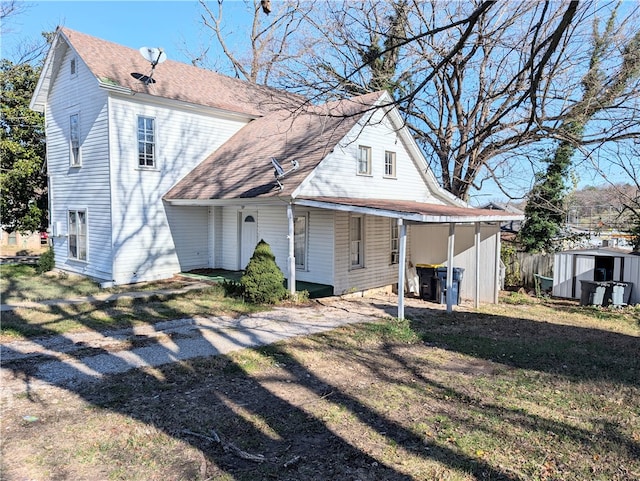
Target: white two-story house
<point>149,177</point>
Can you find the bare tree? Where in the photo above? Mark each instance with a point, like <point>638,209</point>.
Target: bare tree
<point>484,86</point>
<point>269,36</point>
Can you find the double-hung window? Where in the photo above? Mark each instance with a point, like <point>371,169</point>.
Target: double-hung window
<point>300,235</point>
<point>146,142</point>
<point>389,164</point>
<point>74,140</point>
<point>395,242</point>
<point>356,241</point>
<point>364,160</point>
<point>78,235</point>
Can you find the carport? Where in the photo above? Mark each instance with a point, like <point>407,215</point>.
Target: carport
<point>417,213</point>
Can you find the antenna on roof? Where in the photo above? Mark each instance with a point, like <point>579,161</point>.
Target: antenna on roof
<point>154,56</point>
<point>279,173</point>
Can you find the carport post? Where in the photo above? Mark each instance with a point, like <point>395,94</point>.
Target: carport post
<point>452,237</point>
<point>402,228</point>
<point>292,258</point>
<point>476,298</point>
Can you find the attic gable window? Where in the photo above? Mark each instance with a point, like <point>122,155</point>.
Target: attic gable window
<point>146,142</point>
<point>364,160</point>
<point>74,140</point>
<point>73,66</point>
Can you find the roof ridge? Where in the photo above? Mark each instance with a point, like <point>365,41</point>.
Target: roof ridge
<point>177,80</point>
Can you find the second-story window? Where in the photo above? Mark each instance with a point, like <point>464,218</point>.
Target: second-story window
<point>389,164</point>
<point>146,142</point>
<point>74,140</point>
<point>364,160</point>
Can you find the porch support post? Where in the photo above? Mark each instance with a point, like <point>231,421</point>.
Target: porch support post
<point>496,291</point>
<point>449,285</point>
<point>402,232</point>
<point>291,258</point>
<point>476,299</point>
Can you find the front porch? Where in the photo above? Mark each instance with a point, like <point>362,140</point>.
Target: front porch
<point>315,290</point>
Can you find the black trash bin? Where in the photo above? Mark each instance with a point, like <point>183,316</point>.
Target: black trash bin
<point>441,287</point>
<point>427,279</point>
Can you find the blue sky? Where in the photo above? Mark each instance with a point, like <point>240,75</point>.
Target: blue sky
<point>173,25</point>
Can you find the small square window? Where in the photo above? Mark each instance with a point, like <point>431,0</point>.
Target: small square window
<point>390,164</point>
<point>364,160</point>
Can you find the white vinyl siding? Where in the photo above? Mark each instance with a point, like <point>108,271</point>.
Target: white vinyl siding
<point>337,175</point>
<point>87,187</point>
<point>378,272</point>
<point>147,239</point>
<point>429,246</point>
<point>146,142</point>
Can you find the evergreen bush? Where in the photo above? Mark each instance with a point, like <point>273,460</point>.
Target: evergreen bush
<point>263,281</point>
<point>46,262</point>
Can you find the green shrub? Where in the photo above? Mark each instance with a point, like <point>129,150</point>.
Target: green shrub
<point>46,262</point>
<point>263,281</point>
<point>232,288</point>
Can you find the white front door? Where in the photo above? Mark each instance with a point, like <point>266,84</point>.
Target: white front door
<point>248,236</point>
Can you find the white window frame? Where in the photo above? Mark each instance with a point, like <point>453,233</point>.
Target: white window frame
<point>389,164</point>
<point>143,161</point>
<point>73,67</point>
<point>364,160</point>
<point>301,245</point>
<point>75,150</point>
<point>76,237</point>
<point>356,244</point>
<point>394,232</point>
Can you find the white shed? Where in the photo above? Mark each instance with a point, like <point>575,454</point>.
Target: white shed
<point>600,264</point>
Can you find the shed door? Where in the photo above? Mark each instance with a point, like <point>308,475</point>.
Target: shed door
<point>248,236</point>
<point>584,271</point>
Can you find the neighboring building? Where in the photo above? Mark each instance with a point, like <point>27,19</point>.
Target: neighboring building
<point>510,226</point>
<point>16,241</point>
<point>150,179</point>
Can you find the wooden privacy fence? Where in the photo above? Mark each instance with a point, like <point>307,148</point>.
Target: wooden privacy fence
<point>521,267</point>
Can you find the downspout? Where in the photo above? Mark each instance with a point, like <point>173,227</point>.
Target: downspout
<point>476,299</point>
<point>449,284</point>
<point>402,228</point>
<point>291,259</point>
<point>496,292</point>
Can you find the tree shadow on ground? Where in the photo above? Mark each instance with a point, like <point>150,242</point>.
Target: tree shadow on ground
<point>576,353</point>
<point>215,398</point>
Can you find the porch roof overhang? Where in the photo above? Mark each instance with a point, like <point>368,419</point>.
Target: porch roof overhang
<point>409,211</point>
